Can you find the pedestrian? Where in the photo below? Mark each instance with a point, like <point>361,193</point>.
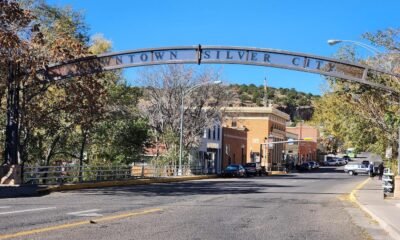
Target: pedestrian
<point>287,167</point>
<point>371,169</point>
<point>380,170</point>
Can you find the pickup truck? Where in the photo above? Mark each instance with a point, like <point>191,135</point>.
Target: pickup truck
<point>354,169</point>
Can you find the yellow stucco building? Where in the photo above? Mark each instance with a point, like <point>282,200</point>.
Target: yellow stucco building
<point>260,123</point>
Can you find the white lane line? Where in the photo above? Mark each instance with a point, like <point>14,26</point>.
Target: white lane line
<point>86,213</point>
<point>2,207</point>
<point>89,215</point>
<point>27,210</point>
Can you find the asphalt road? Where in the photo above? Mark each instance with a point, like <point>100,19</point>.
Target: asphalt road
<point>295,206</point>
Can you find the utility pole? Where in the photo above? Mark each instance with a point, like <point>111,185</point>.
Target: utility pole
<point>265,93</point>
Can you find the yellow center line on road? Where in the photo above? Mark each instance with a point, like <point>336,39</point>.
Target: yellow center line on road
<point>79,223</point>
<point>352,195</point>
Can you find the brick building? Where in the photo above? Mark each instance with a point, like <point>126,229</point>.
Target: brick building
<point>292,149</point>
<point>234,142</point>
<point>307,150</point>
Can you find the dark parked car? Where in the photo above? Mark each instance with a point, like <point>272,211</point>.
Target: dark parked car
<point>314,164</point>
<point>347,158</point>
<point>305,167</point>
<point>234,170</point>
<point>253,169</point>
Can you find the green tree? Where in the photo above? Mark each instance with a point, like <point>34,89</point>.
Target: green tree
<point>32,36</point>
<point>362,117</point>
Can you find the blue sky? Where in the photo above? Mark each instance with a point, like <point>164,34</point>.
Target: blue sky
<point>299,26</point>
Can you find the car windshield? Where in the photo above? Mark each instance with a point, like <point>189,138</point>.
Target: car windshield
<point>232,167</point>
<point>250,165</point>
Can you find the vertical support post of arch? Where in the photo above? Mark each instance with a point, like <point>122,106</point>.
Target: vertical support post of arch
<point>199,52</point>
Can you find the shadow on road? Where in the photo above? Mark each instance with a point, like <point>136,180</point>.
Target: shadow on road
<point>19,191</point>
<point>222,186</point>
<point>242,186</point>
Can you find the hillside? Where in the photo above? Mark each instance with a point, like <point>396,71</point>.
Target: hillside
<point>297,104</point>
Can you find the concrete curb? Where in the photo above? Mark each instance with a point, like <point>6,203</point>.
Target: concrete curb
<point>387,227</point>
<point>69,187</point>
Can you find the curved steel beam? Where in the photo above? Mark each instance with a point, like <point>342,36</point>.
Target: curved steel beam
<point>221,55</point>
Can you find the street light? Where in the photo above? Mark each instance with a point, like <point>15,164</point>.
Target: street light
<point>183,94</point>
<point>374,51</point>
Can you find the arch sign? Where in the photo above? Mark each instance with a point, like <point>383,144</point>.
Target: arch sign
<point>221,55</point>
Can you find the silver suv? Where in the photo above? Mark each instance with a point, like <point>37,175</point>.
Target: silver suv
<point>354,169</point>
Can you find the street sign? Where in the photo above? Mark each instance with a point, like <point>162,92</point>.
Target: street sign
<point>270,142</point>
<point>290,141</point>
<point>270,146</point>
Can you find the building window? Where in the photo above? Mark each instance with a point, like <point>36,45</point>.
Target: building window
<point>234,123</point>
<point>219,132</point>
<point>214,133</point>
<point>205,133</point>
<point>209,133</point>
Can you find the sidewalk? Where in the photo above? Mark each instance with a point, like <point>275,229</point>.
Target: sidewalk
<point>385,211</point>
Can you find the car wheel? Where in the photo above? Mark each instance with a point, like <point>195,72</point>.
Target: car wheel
<point>351,173</point>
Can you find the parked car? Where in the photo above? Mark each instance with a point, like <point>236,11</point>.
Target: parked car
<point>253,169</point>
<point>347,158</point>
<point>327,159</point>
<point>314,164</point>
<point>332,162</point>
<point>342,161</point>
<point>234,170</point>
<point>354,169</point>
<point>336,162</point>
<point>305,167</point>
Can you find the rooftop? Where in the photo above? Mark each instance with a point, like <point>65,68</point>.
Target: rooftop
<point>266,110</point>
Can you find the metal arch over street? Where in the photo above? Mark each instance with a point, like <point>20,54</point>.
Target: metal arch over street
<point>222,55</point>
